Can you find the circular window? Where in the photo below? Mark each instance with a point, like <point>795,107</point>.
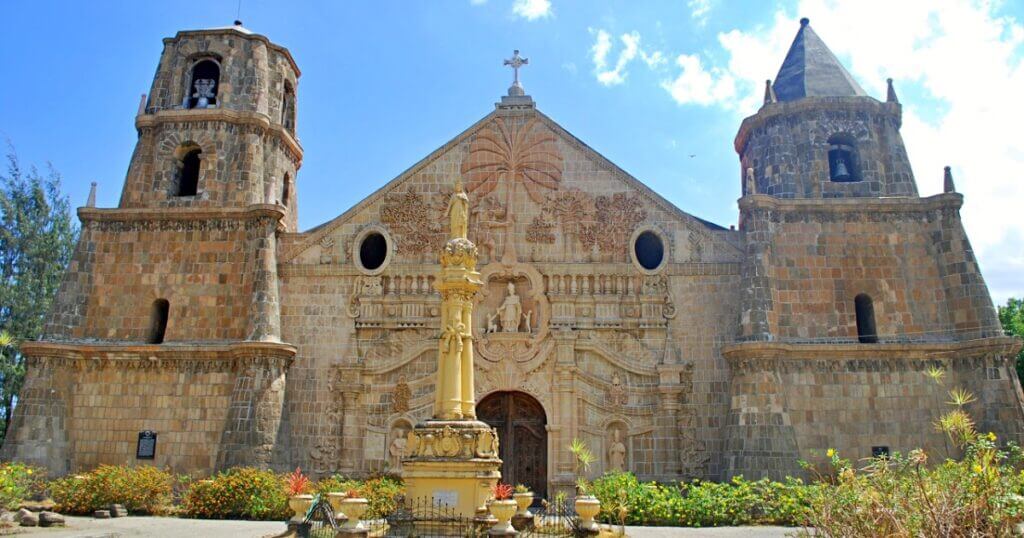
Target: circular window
<point>649,250</point>
<point>373,251</point>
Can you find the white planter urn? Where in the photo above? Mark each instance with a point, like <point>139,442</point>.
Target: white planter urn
<point>588,507</point>
<point>523,502</point>
<point>354,508</point>
<point>503,512</point>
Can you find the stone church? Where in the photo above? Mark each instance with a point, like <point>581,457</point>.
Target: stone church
<point>198,328</point>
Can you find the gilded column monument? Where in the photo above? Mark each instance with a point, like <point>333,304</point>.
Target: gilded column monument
<point>453,458</point>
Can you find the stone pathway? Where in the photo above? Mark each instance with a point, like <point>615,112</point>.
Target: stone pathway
<point>170,527</point>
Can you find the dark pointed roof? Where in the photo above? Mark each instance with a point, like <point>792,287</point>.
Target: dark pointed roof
<point>811,70</point>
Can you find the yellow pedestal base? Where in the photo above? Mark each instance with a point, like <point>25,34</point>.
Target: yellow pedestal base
<point>453,463</point>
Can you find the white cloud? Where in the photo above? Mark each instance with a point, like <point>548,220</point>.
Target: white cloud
<point>700,10</point>
<point>631,49</point>
<point>532,9</point>
<point>696,85</point>
<point>962,54</point>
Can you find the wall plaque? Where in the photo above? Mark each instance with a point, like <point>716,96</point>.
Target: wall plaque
<point>146,447</point>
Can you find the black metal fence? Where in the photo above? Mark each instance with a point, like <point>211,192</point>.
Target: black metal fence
<point>425,518</point>
<point>555,518</point>
<point>319,521</point>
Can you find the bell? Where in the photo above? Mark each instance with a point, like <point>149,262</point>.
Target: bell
<point>842,172</point>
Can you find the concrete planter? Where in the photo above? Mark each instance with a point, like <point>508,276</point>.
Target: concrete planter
<point>300,505</point>
<point>353,508</point>
<point>588,507</point>
<point>523,502</point>
<point>503,511</point>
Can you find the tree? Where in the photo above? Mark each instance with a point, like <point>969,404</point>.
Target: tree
<point>1012,318</point>
<point>37,237</point>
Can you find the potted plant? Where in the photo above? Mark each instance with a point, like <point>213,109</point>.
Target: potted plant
<point>587,506</point>
<point>524,498</point>
<point>502,507</point>
<point>296,485</point>
<point>353,505</point>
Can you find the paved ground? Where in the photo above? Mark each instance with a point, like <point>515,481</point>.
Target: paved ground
<point>167,527</point>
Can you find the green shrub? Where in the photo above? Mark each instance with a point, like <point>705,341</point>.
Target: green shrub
<point>382,492</point>
<point>19,482</point>
<point>702,504</point>
<point>238,493</point>
<point>142,489</point>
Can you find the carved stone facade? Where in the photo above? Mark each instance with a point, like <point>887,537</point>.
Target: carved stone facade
<point>674,347</point>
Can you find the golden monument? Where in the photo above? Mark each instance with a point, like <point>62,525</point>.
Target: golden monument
<point>453,458</point>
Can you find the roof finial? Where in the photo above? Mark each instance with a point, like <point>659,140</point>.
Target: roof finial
<point>515,62</point>
<point>805,21</point>
<point>769,93</point>
<point>947,180</point>
<point>91,200</point>
<point>890,93</point>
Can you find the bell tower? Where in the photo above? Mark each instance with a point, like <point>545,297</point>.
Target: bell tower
<point>218,127</point>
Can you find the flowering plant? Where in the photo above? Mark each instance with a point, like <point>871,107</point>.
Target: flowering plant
<point>502,492</point>
<point>296,483</point>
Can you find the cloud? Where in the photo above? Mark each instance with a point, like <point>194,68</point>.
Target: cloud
<point>602,48</point>
<point>700,10</point>
<point>958,67</point>
<point>532,9</point>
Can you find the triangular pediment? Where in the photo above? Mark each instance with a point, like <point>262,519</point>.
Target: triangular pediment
<point>521,159</point>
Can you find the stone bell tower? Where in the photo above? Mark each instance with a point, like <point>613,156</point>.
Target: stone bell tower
<point>168,317</point>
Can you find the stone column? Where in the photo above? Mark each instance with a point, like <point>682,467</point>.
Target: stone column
<point>265,310</point>
<point>254,414</point>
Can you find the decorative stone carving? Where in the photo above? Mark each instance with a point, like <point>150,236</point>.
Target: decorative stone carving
<point>513,151</point>
<point>458,212</point>
<point>326,250</point>
<point>400,398</point>
<point>451,440</point>
<point>604,222</point>
<point>516,326</point>
<point>511,311</point>
<point>540,231</point>
<point>413,221</point>
<point>396,448</point>
<point>617,396</point>
<point>616,452</point>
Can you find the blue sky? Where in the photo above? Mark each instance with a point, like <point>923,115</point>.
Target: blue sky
<point>659,87</point>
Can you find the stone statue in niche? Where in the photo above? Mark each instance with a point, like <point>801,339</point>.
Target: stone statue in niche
<point>204,92</point>
<point>510,313</point>
<point>396,449</point>
<point>616,452</point>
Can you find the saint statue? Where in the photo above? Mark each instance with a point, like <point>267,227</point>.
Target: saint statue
<point>616,453</point>
<point>397,449</point>
<point>510,312</point>
<point>458,211</point>
<point>204,91</point>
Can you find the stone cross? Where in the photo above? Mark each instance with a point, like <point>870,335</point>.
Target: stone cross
<point>516,62</point>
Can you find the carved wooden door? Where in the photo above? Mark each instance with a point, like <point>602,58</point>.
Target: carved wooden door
<point>522,437</point>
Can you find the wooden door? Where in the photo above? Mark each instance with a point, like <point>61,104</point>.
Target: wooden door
<point>522,437</point>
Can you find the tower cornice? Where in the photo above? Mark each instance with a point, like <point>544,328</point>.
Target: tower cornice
<point>238,32</point>
<point>224,115</point>
<point>772,111</point>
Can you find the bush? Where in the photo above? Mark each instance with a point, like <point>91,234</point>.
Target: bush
<point>382,493</point>
<point>19,482</point>
<point>238,493</point>
<point>142,489</point>
<point>702,504</point>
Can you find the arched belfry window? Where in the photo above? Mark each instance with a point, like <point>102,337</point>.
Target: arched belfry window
<point>288,108</point>
<point>188,174</point>
<point>158,321</point>
<point>843,161</point>
<point>865,308</point>
<point>204,83</point>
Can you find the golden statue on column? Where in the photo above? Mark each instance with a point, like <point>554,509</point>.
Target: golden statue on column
<point>453,458</point>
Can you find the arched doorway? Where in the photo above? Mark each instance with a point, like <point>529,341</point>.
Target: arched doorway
<point>522,437</point>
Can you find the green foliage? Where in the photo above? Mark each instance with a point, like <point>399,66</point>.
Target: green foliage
<point>37,237</point>
<point>19,482</point>
<point>703,504</point>
<point>142,489</point>
<point>238,493</point>
<point>382,493</point>
<point>1012,318</point>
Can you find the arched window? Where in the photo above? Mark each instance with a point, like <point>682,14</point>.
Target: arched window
<point>158,321</point>
<point>286,190</point>
<point>188,175</point>
<point>288,108</point>
<point>204,83</point>
<point>843,163</point>
<point>866,332</point>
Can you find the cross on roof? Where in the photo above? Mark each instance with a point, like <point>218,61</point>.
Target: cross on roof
<point>516,62</point>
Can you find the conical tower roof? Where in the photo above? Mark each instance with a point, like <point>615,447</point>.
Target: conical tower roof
<point>811,70</point>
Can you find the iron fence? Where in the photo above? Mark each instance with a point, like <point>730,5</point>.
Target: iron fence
<point>425,518</point>
<point>552,518</point>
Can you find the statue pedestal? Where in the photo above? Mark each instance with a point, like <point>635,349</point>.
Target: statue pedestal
<point>452,462</point>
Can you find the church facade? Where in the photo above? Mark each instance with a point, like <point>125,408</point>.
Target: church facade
<point>197,313</point>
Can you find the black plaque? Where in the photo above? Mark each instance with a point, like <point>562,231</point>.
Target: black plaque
<point>146,448</point>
